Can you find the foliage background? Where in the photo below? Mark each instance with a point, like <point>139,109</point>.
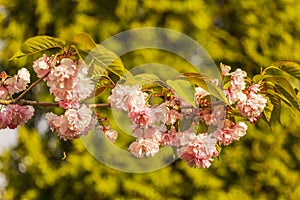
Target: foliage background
<point>248,34</point>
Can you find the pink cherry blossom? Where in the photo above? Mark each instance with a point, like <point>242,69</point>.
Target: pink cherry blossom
<point>144,147</point>
<point>18,82</point>
<point>82,86</point>
<point>118,95</point>
<point>111,134</point>
<point>141,116</point>
<point>69,82</point>
<point>73,123</point>
<point>147,132</point>
<point>135,100</point>
<point>167,138</point>
<point>253,105</point>
<point>200,93</point>
<point>200,152</point>
<point>126,97</point>
<point>15,115</point>
<point>238,79</point>
<point>3,123</point>
<point>173,116</point>
<point>3,92</point>
<point>237,85</point>
<point>159,113</point>
<point>42,65</point>
<point>230,132</point>
<point>183,138</point>
<point>213,116</point>
<point>60,79</point>
<point>225,69</point>
<point>54,121</point>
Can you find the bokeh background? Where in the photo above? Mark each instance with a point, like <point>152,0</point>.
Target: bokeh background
<point>265,164</point>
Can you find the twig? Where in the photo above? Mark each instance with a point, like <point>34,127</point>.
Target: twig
<point>29,88</point>
<point>24,102</point>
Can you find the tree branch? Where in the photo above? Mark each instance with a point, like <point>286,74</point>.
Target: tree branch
<point>24,102</point>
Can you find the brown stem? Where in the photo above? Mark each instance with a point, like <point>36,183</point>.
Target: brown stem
<point>29,88</point>
<point>24,102</point>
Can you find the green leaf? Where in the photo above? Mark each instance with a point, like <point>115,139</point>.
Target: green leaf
<point>289,67</point>
<point>259,77</point>
<point>280,97</point>
<point>98,58</point>
<point>204,82</point>
<point>226,82</point>
<point>268,111</point>
<point>39,44</point>
<point>84,41</point>
<point>139,79</point>
<point>184,89</point>
<point>273,103</point>
<point>275,116</point>
<point>219,149</point>
<point>283,86</point>
<point>84,44</point>
<point>145,78</point>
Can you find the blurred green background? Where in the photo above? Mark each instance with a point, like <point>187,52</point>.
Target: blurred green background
<point>265,164</point>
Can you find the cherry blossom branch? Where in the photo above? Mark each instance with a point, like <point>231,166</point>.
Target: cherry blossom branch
<point>24,102</point>
<point>29,88</point>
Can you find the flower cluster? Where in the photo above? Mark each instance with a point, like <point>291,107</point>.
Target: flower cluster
<point>200,151</point>
<point>74,122</point>
<point>248,100</point>
<point>155,126</point>
<point>13,115</point>
<point>15,84</point>
<point>68,81</point>
<point>159,125</point>
<point>194,132</point>
<point>253,105</point>
<point>66,78</point>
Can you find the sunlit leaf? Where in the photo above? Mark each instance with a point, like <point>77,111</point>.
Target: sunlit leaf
<point>145,78</point>
<point>283,86</point>
<point>268,111</point>
<point>276,110</point>
<point>84,41</point>
<point>39,44</point>
<point>204,82</point>
<point>259,77</point>
<point>184,89</point>
<point>98,58</point>
<point>290,67</point>
<point>226,82</point>
<point>127,79</point>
